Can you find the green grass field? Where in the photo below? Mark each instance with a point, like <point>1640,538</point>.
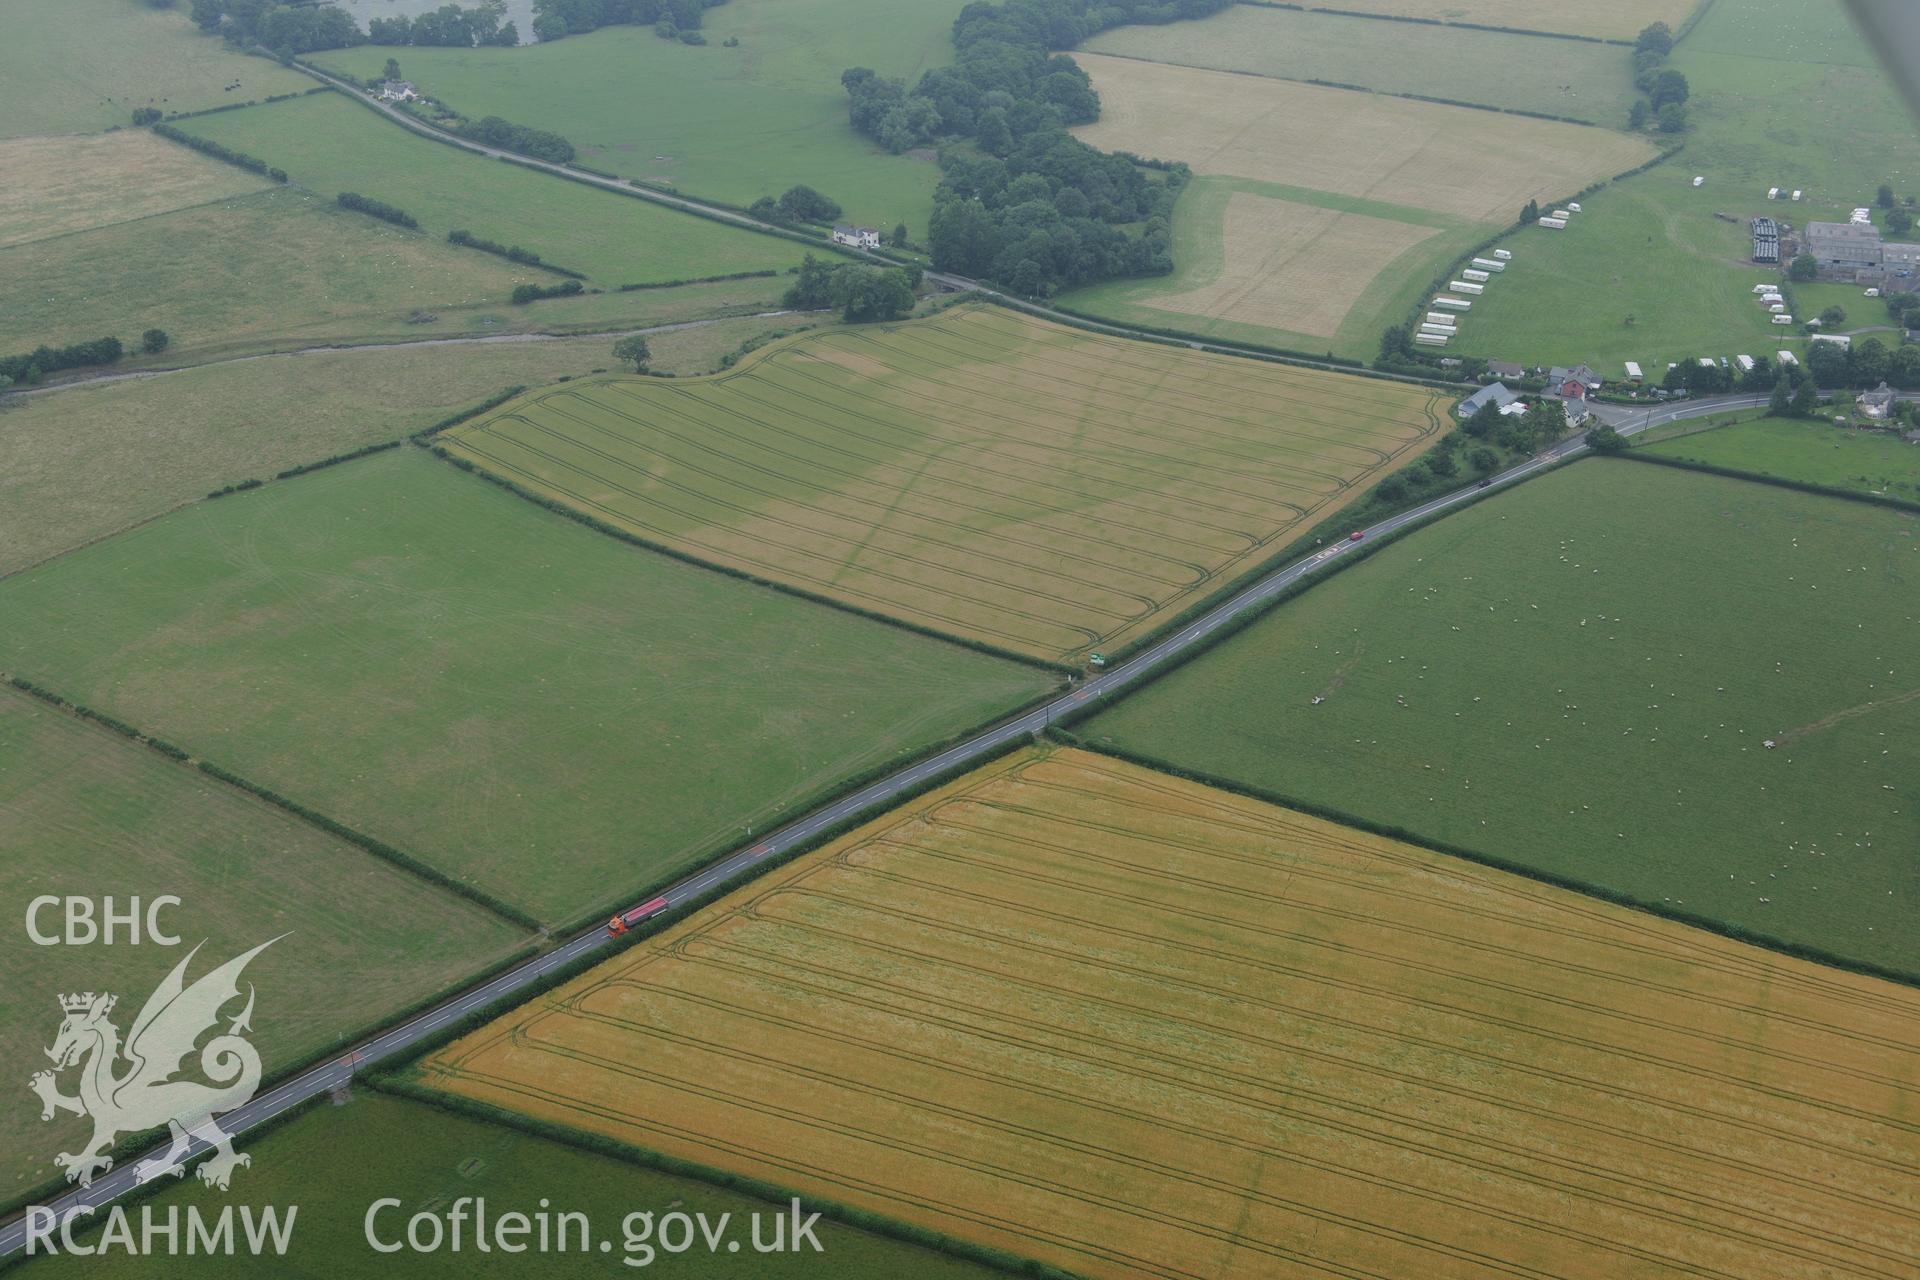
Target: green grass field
<point>329,144</point>
<point>87,461</point>
<point>83,811</point>
<point>732,124</point>
<point>1784,94</point>
<point>1579,677</point>
<point>286,269</point>
<point>1630,278</point>
<point>379,1146</point>
<point>238,273</point>
<point>533,707</point>
<point>132,56</point>
<point>1817,452</point>
<point>1570,78</point>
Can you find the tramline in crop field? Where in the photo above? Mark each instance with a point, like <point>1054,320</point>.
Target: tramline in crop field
<point>981,474</point>
<point>1132,1026</point>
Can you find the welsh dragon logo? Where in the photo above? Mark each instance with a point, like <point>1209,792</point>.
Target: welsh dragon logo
<point>144,1094</point>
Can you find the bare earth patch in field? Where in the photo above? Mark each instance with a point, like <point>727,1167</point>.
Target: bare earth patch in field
<point>1295,266</point>
<point>1133,1026</point>
<point>1614,20</point>
<point>979,473</point>
<point>59,185</point>
<point>1474,164</point>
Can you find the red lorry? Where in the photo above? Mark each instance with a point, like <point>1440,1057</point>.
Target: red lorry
<point>627,919</point>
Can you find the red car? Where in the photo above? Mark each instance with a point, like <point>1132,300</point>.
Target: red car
<point>1355,536</point>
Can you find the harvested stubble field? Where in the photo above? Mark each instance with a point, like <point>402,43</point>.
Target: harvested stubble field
<point>1322,214</point>
<point>57,186</point>
<point>1133,1026</point>
<point>531,707</point>
<point>84,811</point>
<point>1582,677</point>
<point>1575,79</point>
<point>1312,265</point>
<point>330,144</point>
<point>1473,164</point>
<point>1613,20</point>
<point>980,473</point>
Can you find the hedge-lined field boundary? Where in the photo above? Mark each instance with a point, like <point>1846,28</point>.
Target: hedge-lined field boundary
<point>312,817</point>
<point>1666,911</point>
<point>1443,22</point>
<point>374,845</point>
<point>1778,482</point>
<point>661,548</point>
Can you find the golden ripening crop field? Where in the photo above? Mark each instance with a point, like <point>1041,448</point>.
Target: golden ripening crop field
<point>1133,1026</point>
<point>979,473</point>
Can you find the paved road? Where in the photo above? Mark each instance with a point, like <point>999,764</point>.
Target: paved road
<point>397,1039</point>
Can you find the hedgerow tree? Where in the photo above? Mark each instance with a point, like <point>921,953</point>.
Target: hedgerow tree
<point>154,341</point>
<point>633,350</point>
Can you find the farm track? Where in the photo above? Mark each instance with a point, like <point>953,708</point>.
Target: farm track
<point>983,1000</point>
<point>975,473</point>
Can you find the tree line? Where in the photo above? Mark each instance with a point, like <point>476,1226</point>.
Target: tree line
<point>1665,90</point>
<point>669,18</point>
<point>541,144</point>
<point>42,360</point>
<point>377,208</point>
<point>1027,205</point>
<point>860,292</point>
<point>208,147</point>
<point>448,27</point>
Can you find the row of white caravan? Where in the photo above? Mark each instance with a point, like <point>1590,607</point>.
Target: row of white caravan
<point>1441,323</point>
<point>1770,297</point>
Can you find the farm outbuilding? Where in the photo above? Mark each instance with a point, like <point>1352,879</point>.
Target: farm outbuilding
<point>1877,403</point>
<point>1496,394</point>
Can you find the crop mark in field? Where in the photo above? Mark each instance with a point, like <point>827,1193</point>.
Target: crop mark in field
<point>981,473</point>
<point>1059,1007</point>
<point>1851,713</point>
